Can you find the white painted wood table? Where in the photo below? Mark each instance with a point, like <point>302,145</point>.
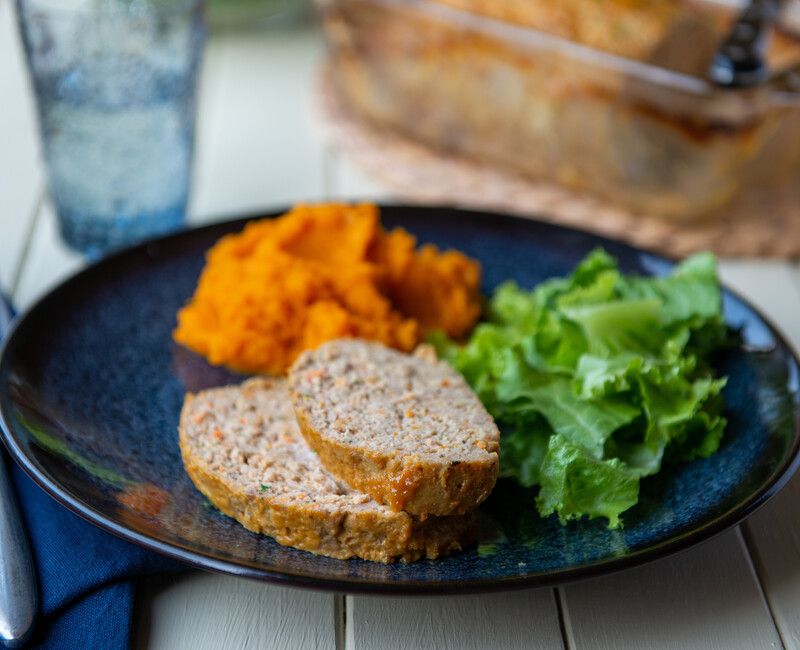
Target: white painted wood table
<point>258,146</point>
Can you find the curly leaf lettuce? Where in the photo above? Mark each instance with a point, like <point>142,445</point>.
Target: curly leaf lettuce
<point>574,484</point>
<point>598,378</point>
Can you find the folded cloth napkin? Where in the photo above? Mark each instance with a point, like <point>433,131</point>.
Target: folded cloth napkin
<point>86,576</point>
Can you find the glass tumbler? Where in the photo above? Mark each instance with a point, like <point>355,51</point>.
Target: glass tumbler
<point>116,86</point>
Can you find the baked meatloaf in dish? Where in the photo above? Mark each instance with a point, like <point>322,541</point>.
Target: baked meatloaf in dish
<point>606,96</point>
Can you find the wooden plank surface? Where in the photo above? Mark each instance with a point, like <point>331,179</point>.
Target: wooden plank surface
<point>772,286</point>
<point>48,261</point>
<point>20,170</point>
<point>258,143</point>
<point>773,533</point>
<point>203,610</point>
<point>522,619</point>
<point>345,181</point>
<point>704,598</point>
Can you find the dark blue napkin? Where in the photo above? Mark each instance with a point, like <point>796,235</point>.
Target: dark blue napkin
<point>86,576</point>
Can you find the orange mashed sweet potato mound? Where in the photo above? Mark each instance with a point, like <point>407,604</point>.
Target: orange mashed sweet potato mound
<point>317,273</point>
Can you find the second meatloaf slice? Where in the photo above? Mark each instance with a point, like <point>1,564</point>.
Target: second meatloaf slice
<point>405,429</point>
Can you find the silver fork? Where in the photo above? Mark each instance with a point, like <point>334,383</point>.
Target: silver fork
<point>18,597</point>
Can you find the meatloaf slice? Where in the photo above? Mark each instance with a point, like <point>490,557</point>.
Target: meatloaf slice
<point>242,448</point>
<point>405,429</point>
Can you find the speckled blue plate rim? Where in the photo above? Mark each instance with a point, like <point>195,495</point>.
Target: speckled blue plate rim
<point>777,480</point>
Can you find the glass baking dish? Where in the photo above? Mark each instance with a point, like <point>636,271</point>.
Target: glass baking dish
<point>630,119</point>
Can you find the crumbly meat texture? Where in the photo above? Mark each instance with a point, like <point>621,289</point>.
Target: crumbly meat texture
<point>242,449</point>
<point>405,429</point>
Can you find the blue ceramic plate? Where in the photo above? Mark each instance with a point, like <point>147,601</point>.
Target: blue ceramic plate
<point>91,386</point>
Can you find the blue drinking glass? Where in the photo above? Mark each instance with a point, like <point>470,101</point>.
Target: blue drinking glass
<point>116,89</point>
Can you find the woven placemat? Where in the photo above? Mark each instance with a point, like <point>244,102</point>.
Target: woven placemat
<point>758,227</point>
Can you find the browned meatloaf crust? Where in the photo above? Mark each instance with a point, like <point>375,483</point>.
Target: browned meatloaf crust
<point>243,450</point>
<point>405,429</point>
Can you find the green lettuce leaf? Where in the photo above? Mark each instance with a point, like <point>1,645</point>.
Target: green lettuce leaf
<point>523,447</point>
<point>574,485</point>
<point>599,378</point>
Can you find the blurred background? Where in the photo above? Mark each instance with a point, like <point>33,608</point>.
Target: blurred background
<point>670,123</point>
<point>673,124</point>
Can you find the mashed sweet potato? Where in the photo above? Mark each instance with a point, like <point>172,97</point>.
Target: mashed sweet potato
<point>321,272</point>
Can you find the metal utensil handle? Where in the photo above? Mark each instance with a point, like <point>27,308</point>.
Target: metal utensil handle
<point>18,599</point>
<point>18,593</point>
<point>739,62</point>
